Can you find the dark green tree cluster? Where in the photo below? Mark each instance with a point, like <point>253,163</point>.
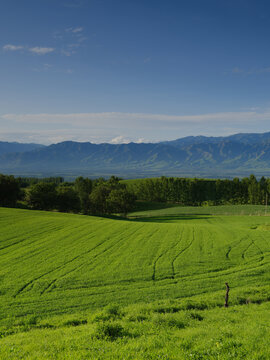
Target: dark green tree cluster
<point>84,195</point>
<point>195,192</point>
<point>9,190</point>
<point>110,197</point>
<point>83,188</point>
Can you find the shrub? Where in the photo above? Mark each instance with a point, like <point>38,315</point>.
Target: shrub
<point>110,331</point>
<point>113,310</point>
<point>168,309</point>
<point>196,316</point>
<point>137,318</point>
<point>75,322</point>
<point>195,306</point>
<point>169,321</point>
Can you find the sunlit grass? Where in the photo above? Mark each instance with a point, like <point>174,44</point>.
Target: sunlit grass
<point>160,276</point>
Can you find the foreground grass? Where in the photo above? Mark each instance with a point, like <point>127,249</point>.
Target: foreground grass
<point>61,273</point>
<point>164,330</point>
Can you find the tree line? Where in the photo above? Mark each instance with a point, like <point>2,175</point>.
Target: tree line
<point>197,192</point>
<point>102,196</point>
<point>81,196</point>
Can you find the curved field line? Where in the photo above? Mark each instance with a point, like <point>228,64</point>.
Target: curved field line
<point>181,252</point>
<point>234,245</point>
<point>260,250</point>
<point>57,268</point>
<point>86,262</point>
<point>220,273</point>
<point>97,255</point>
<point>253,243</point>
<point>228,252</point>
<point>173,261</point>
<point>154,266</point>
<point>48,286</point>
<point>244,252</point>
<point>25,238</point>
<point>161,255</point>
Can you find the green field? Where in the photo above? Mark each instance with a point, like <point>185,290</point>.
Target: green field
<point>166,269</point>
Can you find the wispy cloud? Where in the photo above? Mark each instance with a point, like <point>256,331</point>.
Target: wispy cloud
<point>10,47</point>
<point>68,40</point>
<point>75,30</point>
<point>67,52</point>
<point>107,126</point>
<point>88,118</point>
<point>254,71</point>
<point>41,50</point>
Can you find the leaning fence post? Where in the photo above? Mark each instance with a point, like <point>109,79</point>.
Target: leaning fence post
<point>227,295</point>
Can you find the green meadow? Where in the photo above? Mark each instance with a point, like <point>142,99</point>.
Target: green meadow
<point>148,287</point>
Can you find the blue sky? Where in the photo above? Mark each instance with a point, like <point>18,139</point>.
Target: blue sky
<point>140,70</point>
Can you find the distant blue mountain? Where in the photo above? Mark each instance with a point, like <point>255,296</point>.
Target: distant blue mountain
<point>234,155</point>
<point>248,139</point>
<point>15,147</point>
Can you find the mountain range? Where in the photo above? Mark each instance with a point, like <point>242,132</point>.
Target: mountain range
<point>201,156</point>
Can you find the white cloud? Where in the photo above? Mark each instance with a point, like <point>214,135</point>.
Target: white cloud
<point>120,140</point>
<point>74,36</point>
<point>126,140</point>
<point>74,30</point>
<point>135,127</point>
<point>88,118</point>
<point>78,29</point>
<point>10,47</point>
<point>41,50</point>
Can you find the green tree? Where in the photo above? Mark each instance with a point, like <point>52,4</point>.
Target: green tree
<point>83,187</point>
<point>9,190</point>
<point>253,190</point>
<point>67,199</point>
<point>120,201</point>
<point>42,196</point>
<point>98,199</point>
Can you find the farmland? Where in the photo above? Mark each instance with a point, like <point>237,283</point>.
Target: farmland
<point>156,267</point>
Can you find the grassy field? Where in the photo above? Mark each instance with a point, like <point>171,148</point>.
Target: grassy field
<point>149,287</point>
<point>152,209</point>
